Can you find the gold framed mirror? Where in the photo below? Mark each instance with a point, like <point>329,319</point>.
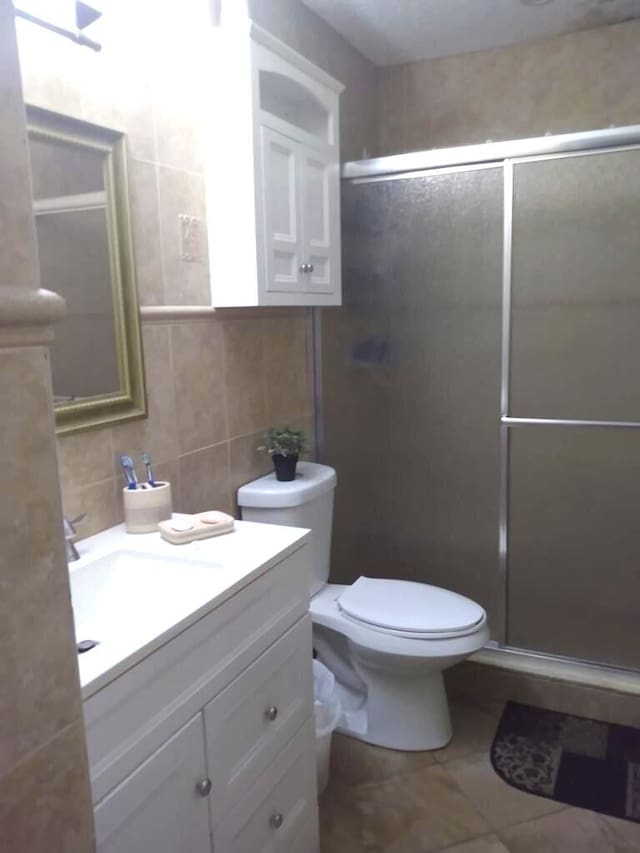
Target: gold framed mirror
<point>83,227</point>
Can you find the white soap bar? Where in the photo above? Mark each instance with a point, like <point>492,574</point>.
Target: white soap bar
<point>188,528</point>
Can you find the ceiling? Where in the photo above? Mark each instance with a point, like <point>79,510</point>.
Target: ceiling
<point>389,32</point>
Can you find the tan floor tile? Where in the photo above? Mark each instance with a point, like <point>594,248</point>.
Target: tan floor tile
<point>487,844</point>
<point>417,812</point>
<point>498,802</point>
<point>568,831</point>
<point>354,762</point>
<point>623,830</point>
<point>473,732</point>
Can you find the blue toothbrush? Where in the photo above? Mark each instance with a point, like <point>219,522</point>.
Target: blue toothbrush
<point>146,461</point>
<point>129,472</point>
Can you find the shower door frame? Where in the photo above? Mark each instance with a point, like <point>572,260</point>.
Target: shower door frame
<point>503,155</point>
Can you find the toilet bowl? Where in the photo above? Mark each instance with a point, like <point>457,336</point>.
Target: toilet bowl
<point>387,642</point>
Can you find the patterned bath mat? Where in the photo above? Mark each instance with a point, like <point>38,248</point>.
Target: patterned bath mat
<point>574,760</point>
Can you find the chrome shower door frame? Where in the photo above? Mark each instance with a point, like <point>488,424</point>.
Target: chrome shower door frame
<point>506,155</point>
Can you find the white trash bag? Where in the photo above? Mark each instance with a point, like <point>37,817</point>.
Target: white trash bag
<point>327,713</point>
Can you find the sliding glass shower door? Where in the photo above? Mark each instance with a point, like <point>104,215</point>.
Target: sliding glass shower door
<point>411,378</point>
<point>573,569</point>
<point>481,389</point>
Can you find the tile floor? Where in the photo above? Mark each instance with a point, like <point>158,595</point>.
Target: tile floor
<point>380,801</point>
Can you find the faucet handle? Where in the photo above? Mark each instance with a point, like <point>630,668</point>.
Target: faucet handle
<point>70,525</point>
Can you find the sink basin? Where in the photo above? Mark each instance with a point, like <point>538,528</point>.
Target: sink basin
<point>126,599</point>
<point>131,594</point>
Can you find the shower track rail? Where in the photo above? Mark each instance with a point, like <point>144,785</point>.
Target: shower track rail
<point>498,154</point>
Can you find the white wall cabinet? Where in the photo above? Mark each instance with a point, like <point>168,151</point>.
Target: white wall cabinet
<point>273,174</point>
<point>208,744</point>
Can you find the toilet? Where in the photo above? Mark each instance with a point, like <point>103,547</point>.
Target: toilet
<point>387,642</point>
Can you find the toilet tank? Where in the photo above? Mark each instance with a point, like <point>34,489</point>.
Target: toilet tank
<point>306,501</point>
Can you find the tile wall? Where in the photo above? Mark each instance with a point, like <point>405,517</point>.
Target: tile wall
<point>45,801</point>
<point>567,83</point>
<point>214,385</point>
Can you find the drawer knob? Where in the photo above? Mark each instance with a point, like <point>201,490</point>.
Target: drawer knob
<point>276,820</point>
<point>271,713</point>
<point>203,787</point>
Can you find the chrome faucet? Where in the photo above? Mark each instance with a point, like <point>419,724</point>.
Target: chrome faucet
<point>70,536</point>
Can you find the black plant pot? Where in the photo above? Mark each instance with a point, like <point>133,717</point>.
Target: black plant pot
<point>285,467</point>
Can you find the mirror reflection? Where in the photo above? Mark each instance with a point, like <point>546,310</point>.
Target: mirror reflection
<point>84,246</point>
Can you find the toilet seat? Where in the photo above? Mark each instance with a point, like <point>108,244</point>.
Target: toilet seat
<point>410,609</point>
<point>325,611</point>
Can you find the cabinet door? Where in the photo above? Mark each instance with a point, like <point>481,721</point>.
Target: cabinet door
<point>319,187</point>
<point>282,215</point>
<point>158,809</point>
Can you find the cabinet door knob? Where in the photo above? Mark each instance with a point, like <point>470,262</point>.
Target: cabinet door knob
<point>304,267</point>
<point>203,787</point>
<point>276,820</point>
<point>271,713</point>
<point>309,267</point>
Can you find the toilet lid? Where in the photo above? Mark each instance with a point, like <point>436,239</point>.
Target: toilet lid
<point>409,607</point>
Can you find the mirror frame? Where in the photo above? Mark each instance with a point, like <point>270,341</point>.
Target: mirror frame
<point>129,402</point>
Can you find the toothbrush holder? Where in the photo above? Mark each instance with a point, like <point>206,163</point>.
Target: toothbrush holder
<point>144,508</point>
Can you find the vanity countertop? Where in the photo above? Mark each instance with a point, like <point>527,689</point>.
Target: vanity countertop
<point>133,593</point>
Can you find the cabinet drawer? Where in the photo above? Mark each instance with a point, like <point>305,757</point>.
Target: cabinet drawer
<point>253,719</point>
<point>279,813</point>
<point>131,717</point>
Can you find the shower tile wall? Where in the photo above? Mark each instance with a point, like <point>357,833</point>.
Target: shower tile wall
<point>578,81</point>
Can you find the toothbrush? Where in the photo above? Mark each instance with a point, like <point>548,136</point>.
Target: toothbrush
<point>146,461</point>
<point>129,472</point>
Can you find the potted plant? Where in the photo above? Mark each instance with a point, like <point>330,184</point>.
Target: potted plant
<point>284,445</point>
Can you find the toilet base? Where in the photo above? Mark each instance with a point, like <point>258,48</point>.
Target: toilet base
<point>401,712</point>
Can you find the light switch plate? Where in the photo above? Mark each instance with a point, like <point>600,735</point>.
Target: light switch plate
<point>189,237</point>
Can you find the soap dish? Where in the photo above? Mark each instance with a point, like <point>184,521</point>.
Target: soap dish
<point>187,528</point>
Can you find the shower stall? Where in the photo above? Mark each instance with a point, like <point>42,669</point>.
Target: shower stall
<point>479,390</point>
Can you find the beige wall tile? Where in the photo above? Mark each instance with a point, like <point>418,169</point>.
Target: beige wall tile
<point>186,282</point>
<point>289,392</point>
<point>85,457</point>
<point>38,669</point>
<point>179,114</point>
<point>247,462</point>
<point>100,502</point>
<point>204,479</point>
<point>52,72</point>
<point>145,221</point>
<point>244,356</point>
<point>572,82</point>
<point>156,434</point>
<point>45,802</point>
<point>198,375</point>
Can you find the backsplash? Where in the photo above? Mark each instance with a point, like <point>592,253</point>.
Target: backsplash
<point>213,387</point>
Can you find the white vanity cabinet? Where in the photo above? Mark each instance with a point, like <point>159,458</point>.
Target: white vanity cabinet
<point>207,744</point>
<point>273,174</point>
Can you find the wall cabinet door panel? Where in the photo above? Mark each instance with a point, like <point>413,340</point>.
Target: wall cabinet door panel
<point>318,200</point>
<point>282,214</point>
